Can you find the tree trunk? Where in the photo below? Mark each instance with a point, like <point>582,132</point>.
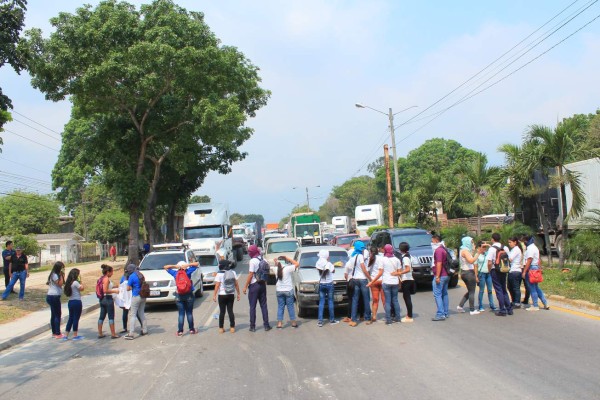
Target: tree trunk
<point>565,225</point>
<point>171,221</point>
<point>134,231</point>
<point>149,213</point>
<point>545,227</point>
<point>478,220</point>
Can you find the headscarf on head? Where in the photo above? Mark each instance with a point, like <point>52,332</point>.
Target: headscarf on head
<point>181,263</point>
<point>530,241</point>
<point>130,269</point>
<point>322,261</point>
<point>253,251</point>
<point>359,248</point>
<point>467,243</point>
<point>388,251</point>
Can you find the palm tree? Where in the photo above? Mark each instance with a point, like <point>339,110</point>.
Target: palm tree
<point>557,148</point>
<point>477,178</point>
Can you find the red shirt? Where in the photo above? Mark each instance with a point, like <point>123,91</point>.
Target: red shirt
<point>440,256</point>
<point>113,250</point>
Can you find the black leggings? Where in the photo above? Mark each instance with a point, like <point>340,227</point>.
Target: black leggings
<point>470,280</point>
<point>226,303</point>
<point>407,289</point>
<point>126,318</point>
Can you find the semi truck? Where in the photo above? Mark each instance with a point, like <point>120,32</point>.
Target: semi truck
<point>240,241</point>
<point>255,232</point>
<point>207,230</point>
<point>367,216</point>
<point>341,224</point>
<point>306,228</point>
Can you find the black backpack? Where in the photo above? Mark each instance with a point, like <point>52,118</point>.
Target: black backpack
<point>451,265</point>
<point>263,271</point>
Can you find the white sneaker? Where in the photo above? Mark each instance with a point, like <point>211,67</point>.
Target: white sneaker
<point>532,308</point>
<point>474,312</point>
<point>460,309</point>
<point>406,319</point>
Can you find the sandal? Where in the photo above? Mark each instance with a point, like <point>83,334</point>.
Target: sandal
<point>101,336</point>
<point>193,331</point>
<point>115,337</point>
<point>179,334</point>
<point>279,326</point>
<point>294,325</point>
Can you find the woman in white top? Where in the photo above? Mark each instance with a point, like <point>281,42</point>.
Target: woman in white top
<point>532,262</point>
<point>73,288</point>
<point>285,289</point>
<point>390,283</point>
<point>515,256</point>
<point>55,281</point>
<point>407,284</point>
<point>226,286</point>
<point>467,274</point>
<point>326,271</point>
<point>375,267</point>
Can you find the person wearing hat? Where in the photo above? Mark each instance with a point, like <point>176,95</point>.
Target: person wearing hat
<point>184,301</point>
<point>18,270</point>
<point>226,286</point>
<point>258,290</point>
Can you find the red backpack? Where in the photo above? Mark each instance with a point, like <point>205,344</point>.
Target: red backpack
<point>100,288</point>
<point>183,282</point>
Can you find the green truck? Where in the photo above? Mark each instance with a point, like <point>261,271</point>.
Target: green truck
<point>306,228</point>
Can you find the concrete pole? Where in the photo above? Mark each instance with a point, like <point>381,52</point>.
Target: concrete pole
<point>394,156</point>
<point>307,200</point>
<point>389,186</point>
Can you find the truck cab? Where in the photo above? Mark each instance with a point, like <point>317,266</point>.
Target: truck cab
<point>367,216</point>
<point>306,228</point>
<point>341,224</point>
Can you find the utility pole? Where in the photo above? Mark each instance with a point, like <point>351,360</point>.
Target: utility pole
<point>394,156</point>
<point>307,200</point>
<point>389,186</point>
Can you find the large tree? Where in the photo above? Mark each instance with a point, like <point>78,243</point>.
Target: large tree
<point>354,192</point>
<point>28,213</point>
<point>144,83</point>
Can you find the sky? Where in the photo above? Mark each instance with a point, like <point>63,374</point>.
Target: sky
<point>321,57</point>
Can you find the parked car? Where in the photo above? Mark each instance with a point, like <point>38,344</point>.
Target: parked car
<point>273,235</point>
<point>306,277</point>
<point>277,247</point>
<point>343,241</point>
<point>421,252</point>
<point>162,284</point>
<point>209,265</point>
<point>327,237</point>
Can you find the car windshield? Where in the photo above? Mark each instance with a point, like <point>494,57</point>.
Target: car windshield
<point>367,222</point>
<point>307,230</point>
<point>414,240</point>
<point>208,261</point>
<point>282,247</point>
<point>365,241</point>
<point>309,260</point>
<point>345,239</point>
<point>203,232</point>
<point>158,261</point>
<point>239,231</point>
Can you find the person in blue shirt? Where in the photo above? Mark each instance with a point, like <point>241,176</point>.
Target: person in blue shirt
<point>185,301</point>
<point>7,255</point>
<point>138,304</point>
<point>146,248</point>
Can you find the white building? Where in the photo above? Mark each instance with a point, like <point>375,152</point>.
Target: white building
<point>59,247</point>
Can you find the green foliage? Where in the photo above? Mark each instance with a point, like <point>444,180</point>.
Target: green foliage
<point>236,218</point>
<point>28,213</point>
<point>329,209</point>
<point>354,192</point>
<point>199,199</point>
<point>375,228</point>
<point>30,246</point>
<point>452,235</point>
<point>584,247</point>
<point>110,225</point>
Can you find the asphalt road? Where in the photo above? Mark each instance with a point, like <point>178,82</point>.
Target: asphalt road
<point>543,355</point>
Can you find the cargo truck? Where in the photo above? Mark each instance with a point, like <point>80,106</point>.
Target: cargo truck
<point>306,228</point>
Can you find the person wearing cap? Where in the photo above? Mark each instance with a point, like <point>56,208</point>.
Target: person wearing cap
<point>326,271</point>
<point>18,270</point>
<point>7,255</point>
<point>258,290</point>
<point>184,302</point>
<point>361,278</point>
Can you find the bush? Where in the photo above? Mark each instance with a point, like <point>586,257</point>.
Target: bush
<point>584,246</point>
<point>452,235</point>
<point>376,228</point>
<point>29,244</point>
<point>399,226</point>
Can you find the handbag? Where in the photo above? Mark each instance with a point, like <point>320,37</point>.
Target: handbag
<point>351,283</point>
<point>536,276</point>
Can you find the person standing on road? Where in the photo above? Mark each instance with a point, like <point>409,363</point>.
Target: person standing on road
<point>408,284</point>
<point>389,266</point>
<point>523,246</point>
<point>258,290</point>
<point>107,304</point>
<point>126,296</point>
<point>226,286</point>
<point>326,271</point>
<point>516,270</point>
<point>18,270</point>
<point>361,278</point>
<point>467,274</point>
<point>138,304</point>
<point>56,279</point>
<point>485,278</point>
<point>113,253</point>
<point>285,290</point>
<point>73,288</point>
<point>532,263</point>
<point>498,278</point>
<point>7,255</point>
<point>440,278</point>
<point>375,267</point>
<point>348,269</point>
<point>184,301</point>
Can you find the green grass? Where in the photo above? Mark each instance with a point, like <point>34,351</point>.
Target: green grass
<point>578,284</point>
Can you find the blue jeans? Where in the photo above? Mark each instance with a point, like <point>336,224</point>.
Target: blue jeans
<point>185,306</point>
<point>55,313</point>
<point>75,308</point>
<point>390,293</point>
<point>361,289</point>
<point>514,286</point>
<point>285,299</point>
<point>440,294</point>
<point>326,290</point>
<point>499,282</point>
<point>535,290</point>
<point>16,276</point>
<point>485,279</point>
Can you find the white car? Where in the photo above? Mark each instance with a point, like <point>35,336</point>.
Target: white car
<point>162,284</point>
<point>277,247</point>
<point>209,265</point>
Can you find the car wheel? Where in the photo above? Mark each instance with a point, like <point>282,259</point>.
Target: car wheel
<point>200,291</point>
<point>300,312</point>
<point>239,253</point>
<point>453,281</point>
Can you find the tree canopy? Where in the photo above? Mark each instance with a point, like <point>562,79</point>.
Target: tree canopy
<point>28,213</point>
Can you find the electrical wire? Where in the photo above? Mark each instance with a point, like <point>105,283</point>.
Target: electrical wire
<point>31,140</point>
<point>36,129</point>
<point>22,165</point>
<point>35,122</point>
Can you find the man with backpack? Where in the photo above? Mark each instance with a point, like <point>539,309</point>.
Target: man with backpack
<point>440,278</point>
<point>258,273</point>
<point>182,272</point>
<point>499,265</point>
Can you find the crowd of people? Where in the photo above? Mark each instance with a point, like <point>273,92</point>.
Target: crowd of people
<point>372,275</point>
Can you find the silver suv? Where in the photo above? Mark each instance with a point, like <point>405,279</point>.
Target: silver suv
<point>421,252</point>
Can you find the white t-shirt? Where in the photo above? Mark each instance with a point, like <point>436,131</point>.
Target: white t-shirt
<point>376,267</point>
<point>534,253</point>
<point>327,276</point>
<point>285,284</point>
<point>406,262</point>
<point>221,279</point>
<point>464,264</point>
<point>515,256</point>
<point>390,264</point>
<point>53,288</point>
<point>491,254</point>
<point>253,267</point>
<point>358,272</point>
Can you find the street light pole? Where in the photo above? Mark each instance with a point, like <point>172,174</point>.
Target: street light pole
<point>307,198</point>
<point>394,156</point>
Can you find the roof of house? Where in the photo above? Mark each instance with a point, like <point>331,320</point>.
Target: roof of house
<point>59,236</point>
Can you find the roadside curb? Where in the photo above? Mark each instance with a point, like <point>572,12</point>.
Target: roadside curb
<point>575,303</point>
<point>41,329</point>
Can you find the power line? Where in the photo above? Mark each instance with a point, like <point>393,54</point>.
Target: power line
<point>36,129</point>
<point>35,122</point>
<point>31,140</point>
<point>25,177</point>
<point>22,165</point>
<point>28,197</point>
